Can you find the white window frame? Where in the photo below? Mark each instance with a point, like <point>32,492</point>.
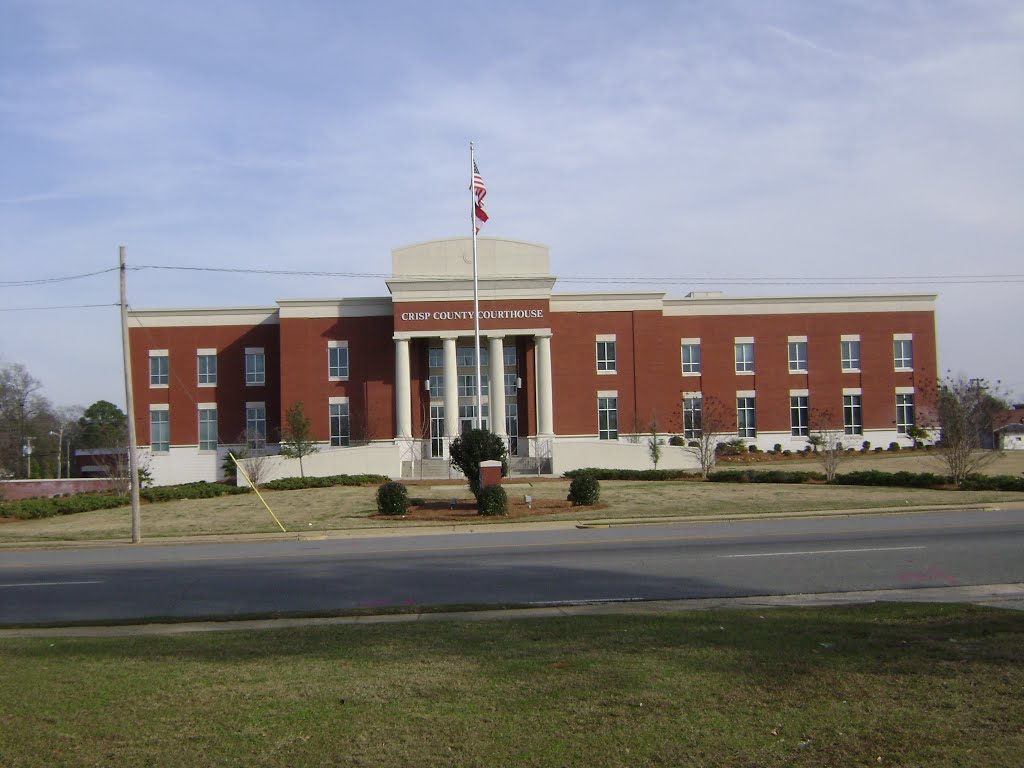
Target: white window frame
<point>255,415</point>
<point>796,345</point>
<point>846,356</point>
<point>853,412</point>
<point>160,421</point>
<point>467,384</point>
<point>435,357</point>
<point>206,378</point>
<point>206,409</point>
<point>607,354</point>
<point>255,375</point>
<point>693,415</point>
<point>799,413</point>
<point>436,382</point>
<point>746,404</point>
<point>687,348</point>
<point>904,403</point>
<point>339,420</point>
<point>510,357</point>
<point>744,362</point>
<point>336,350</point>
<point>903,352</point>
<point>464,357</point>
<point>159,379</point>
<point>608,405</point>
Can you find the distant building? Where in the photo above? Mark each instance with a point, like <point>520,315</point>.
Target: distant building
<point>569,379</point>
<point>1009,431</point>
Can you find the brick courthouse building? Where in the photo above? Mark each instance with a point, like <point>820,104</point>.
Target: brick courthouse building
<point>569,379</point>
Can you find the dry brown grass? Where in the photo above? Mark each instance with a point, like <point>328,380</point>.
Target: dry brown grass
<point>344,508</point>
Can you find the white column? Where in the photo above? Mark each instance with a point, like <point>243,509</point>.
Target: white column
<point>451,389</point>
<point>497,387</point>
<point>403,397</point>
<point>545,415</point>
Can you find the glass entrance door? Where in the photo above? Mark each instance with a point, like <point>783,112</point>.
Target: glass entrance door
<point>437,431</point>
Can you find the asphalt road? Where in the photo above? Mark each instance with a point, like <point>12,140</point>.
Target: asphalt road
<point>642,562</point>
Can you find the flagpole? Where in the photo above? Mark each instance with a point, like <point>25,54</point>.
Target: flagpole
<point>476,291</point>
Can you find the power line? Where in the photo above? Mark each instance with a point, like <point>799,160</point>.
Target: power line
<point>55,306</point>
<point>49,280</point>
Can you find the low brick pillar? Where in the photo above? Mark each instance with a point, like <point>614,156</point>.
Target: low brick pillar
<point>490,473</point>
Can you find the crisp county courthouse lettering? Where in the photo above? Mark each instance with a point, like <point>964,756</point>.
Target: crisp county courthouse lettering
<point>486,314</point>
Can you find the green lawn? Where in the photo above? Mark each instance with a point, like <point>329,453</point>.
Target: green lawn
<point>907,685</point>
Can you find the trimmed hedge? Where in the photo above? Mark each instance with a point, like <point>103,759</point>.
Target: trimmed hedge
<point>301,483</point>
<point>584,491</point>
<point>493,501</point>
<point>781,476</point>
<point>199,490</point>
<point>392,499</point>
<point>632,474</point>
<point>36,509</point>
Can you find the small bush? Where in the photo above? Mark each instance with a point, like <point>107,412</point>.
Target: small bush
<point>753,449</point>
<point>599,473</point>
<point>777,448</point>
<point>732,447</point>
<point>865,446</point>
<point>676,440</point>
<point>392,499</point>
<point>894,446</point>
<point>879,449</point>
<point>198,490</point>
<point>694,444</point>
<point>584,491</point>
<point>493,501</point>
<point>787,452</point>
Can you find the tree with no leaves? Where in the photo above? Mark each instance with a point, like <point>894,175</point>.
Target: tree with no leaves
<point>828,434</point>
<point>966,409</point>
<point>297,435</point>
<point>712,423</point>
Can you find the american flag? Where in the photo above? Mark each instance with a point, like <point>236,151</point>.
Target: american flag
<point>479,192</point>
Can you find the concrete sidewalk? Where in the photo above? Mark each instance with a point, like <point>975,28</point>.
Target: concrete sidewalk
<point>1009,596</point>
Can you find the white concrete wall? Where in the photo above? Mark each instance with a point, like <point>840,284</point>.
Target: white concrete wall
<point>182,464</point>
<point>567,455</point>
<point>374,459</point>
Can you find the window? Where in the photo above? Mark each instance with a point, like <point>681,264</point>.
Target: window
<point>798,356</point>
<point>435,357</point>
<point>436,385</point>
<point>467,385</point>
<point>339,424</point>
<point>159,368</point>
<point>255,367</point>
<point>207,427</point>
<point>256,425</point>
<point>509,353</point>
<point>692,416</point>
<point>852,422</point>
<point>691,356</point>
<point>467,418</point>
<point>159,430</point>
<point>746,420</point>
<point>337,360</point>
<point>744,356</point>
<point>606,355</point>
<point>903,354</point>
<point>511,388</point>
<point>206,365</point>
<point>849,349</point>
<point>904,413</point>
<point>798,416</point>
<point>464,357</point>
<point>608,418</point>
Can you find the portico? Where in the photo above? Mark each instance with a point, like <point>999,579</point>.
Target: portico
<point>431,292</point>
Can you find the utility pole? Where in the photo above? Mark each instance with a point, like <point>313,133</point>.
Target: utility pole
<point>27,450</point>
<point>133,466</point>
<point>60,446</point>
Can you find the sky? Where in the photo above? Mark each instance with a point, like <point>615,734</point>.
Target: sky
<point>817,147</point>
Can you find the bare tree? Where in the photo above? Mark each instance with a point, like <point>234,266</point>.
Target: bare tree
<point>966,410</point>
<point>251,456</point>
<point>25,415</point>
<point>712,423</point>
<point>827,434</point>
